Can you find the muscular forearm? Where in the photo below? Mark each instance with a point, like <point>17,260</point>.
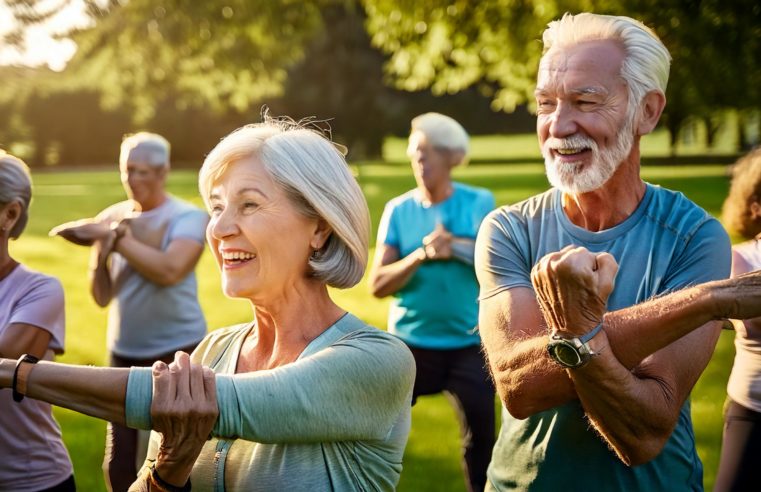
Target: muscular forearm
<point>632,334</point>
<point>389,279</point>
<point>95,391</point>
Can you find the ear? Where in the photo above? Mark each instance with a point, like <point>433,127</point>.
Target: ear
<point>9,216</point>
<point>755,210</point>
<point>651,109</point>
<point>321,234</point>
<point>455,158</point>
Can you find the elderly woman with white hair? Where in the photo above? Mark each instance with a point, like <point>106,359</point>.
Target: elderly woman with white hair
<point>424,258</point>
<point>32,453</point>
<point>305,396</point>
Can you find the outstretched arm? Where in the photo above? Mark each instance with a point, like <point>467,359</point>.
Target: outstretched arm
<point>95,391</point>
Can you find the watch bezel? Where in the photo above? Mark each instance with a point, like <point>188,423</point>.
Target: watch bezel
<point>574,345</point>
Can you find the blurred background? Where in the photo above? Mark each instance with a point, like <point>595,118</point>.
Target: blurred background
<point>75,75</point>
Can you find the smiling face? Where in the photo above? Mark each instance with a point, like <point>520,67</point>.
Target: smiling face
<point>260,240</point>
<point>143,182</point>
<point>583,125</point>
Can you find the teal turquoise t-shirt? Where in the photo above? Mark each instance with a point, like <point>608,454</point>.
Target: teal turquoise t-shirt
<point>438,308</point>
<point>668,243</point>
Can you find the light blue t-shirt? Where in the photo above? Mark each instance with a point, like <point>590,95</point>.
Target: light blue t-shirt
<point>668,243</point>
<point>437,309</point>
<point>146,319</point>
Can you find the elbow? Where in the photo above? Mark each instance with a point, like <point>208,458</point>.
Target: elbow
<point>642,451</point>
<point>377,288</point>
<point>513,396</point>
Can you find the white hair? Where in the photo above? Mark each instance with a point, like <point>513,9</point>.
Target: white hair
<point>315,178</point>
<point>15,186</point>
<point>441,131</point>
<point>145,147</point>
<point>646,62</point>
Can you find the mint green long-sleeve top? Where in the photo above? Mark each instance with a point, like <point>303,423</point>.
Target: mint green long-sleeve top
<point>337,418</point>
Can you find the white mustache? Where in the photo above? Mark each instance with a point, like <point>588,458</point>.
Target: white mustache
<point>572,142</point>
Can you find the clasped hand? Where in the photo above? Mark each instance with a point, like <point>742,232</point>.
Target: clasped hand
<point>438,244</point>
<point>184,410</point>
<point>572,287</point>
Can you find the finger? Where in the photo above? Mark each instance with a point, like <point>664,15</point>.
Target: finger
<point>197,391</point>
<point>163,386</point>
<point>180,369</point>
<point>607,267</point>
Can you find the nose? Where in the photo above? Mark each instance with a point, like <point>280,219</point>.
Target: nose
<point>562,121</point>
<point>222,226</point>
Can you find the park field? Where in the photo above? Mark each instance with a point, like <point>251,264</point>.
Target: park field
<point>509,166</point>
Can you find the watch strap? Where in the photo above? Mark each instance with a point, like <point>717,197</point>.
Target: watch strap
<point>591,334</point>
<point>24,366</point>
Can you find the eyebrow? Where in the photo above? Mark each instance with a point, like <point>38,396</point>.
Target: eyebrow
<point>242,191</point>
<point>581,91</point>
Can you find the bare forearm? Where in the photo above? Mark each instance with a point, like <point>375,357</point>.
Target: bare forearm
<point>463,249</point>
<point>389,279</point>
<point>95,391</point>
<point>100,277</point>
<point>162,267</point>
<point>528,382</point>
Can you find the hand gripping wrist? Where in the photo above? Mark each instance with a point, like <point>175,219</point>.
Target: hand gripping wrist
<point>165,486</point>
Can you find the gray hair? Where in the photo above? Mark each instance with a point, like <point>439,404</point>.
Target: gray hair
<point>150,148</point>
<point>442,131</point>
<point>315,178</point>
<point>15,186</point>
<point>646,63</point>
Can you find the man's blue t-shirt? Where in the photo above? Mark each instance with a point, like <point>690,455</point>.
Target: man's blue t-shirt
<point>668,243</point>
<point>438,308</point>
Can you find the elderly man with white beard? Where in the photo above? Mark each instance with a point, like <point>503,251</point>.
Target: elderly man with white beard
<point>595,378</point>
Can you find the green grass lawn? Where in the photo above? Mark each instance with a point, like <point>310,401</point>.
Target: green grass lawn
<point>432,457</point>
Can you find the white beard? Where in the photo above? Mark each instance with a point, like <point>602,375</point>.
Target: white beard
<point>571,177</point>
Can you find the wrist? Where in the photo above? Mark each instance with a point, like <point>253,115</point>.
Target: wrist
<point>167,481</point>
<point>421,254</point>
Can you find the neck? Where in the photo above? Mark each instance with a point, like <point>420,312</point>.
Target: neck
<point>438,194</point>
<point>7,264</point>
<point>285,327</point>
<point>611,204</point>
<point>150,204</point>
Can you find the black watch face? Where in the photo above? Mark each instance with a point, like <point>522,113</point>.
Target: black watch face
<point>565,354</point>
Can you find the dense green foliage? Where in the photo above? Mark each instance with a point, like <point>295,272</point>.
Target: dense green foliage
<point>432,457</point>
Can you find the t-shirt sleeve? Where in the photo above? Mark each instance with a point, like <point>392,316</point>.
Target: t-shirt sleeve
<point>43,306</point>
<point>707,256</point>
<point>352,390</point>
<point>387,228</point>
<point>502,259</point>
<point>189,225</point>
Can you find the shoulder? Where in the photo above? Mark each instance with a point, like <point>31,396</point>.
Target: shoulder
<point>523,212</point>
<point>373,344</point>
<point>405,199</point>
<point>674,211</point>
<point>32,280</point>
<point>472,192</point>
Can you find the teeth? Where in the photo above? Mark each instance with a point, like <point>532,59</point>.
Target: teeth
<point>568,151</point>
<point>238,255</point>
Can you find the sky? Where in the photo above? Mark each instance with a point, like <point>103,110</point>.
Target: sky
<point>41,48</point>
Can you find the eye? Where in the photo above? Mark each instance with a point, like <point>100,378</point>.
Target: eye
<point>249,205</point>
<point>216,208</point>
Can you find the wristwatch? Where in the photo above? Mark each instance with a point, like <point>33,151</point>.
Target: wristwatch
<point>24,366</point>
<point>572,353</point>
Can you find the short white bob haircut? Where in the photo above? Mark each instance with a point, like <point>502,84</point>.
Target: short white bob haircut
<point>441,131</point>
<point>646,63</point>
<point>15,186</point>
<point>315,178</point>
<point>145,147</point>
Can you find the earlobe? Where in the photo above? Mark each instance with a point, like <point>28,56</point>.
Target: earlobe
<point>651,109</point>
<point>321,235</point>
